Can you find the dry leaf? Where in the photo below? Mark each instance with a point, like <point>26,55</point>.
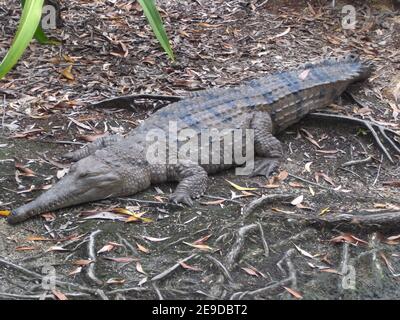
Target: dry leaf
<point>75,271</point>
<point>203,239</point>
<point>82,262</point>
<point>5,213</point>
<point>59,295</point>
<point>303,252</point>
<point>346,237</point>
<point>282,175</point>
<point>294,293</point>
<point>24,248</point>
<point>115,281</point>
<point>142,248</point>
<point>37,238</point>
<point>106,248</point>
<point>153,239</point>
<point>250,271</point>
<point>203,247</point>
<point>139,268</point>
<point>67,73</point>
<point>297,200</point>
<point>237,187</point>
<point>25,171</point>
<point>188,267</point>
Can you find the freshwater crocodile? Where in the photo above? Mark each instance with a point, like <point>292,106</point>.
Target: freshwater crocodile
<point>120,166</point>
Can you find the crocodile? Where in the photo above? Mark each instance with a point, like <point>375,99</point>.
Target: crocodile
<point>257,110</point>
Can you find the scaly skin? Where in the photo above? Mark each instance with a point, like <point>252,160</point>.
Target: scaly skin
<point>119,166</point>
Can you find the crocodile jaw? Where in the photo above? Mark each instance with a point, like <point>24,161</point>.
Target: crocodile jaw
<point>89,179</point>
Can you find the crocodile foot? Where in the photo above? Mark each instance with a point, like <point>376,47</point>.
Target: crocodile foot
<point>181,198</point>
<point>265,167</point>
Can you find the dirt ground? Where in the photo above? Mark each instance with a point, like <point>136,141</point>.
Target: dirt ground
<point>212,250</point>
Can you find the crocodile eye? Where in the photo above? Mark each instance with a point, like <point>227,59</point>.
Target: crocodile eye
<point>83,174</point>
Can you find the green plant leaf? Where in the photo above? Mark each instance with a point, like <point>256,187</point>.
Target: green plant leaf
<point>31,15</point>
<point>40,36</point>
<point>154,18</point>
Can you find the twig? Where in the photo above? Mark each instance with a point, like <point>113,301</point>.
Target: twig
<point>171,269</point>
<point>309,182</point>
<point>123,290</point>
<point>92,257</point>
<point>378,173</point>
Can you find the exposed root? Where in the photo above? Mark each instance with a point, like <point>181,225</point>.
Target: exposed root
<point>291,279</point>
<point>92,257</point>
<point>237,247</point>
<point>372,126</point>
<point>253,205</point>
<point>6,295</point>
<point>264,242</point>
<point>219,264</point>
<point>160,297</point>
<point>171,269</point>
<point>384,219</point>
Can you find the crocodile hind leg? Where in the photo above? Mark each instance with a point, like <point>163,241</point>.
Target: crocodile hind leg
<point>266,146</point>
<point>91,148</point>
<point>192,181</point>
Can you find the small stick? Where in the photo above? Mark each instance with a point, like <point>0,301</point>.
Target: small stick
<point>379,172</point>
<point>309,182</point>
<point>92,257</point>
<point>355,162</point>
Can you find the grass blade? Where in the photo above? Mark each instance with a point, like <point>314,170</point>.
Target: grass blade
<point>31,15</point>
<point>154,18</point>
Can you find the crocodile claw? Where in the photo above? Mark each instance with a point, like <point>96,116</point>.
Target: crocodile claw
<point>181,198</point>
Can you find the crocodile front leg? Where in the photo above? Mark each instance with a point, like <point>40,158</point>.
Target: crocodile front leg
<point>92,147</point>
<point>192,181</point>
<point>266,146</point>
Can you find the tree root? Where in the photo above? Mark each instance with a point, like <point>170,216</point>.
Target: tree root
<point>384,219</point>
<point>171,269</point>
<point>253,205</point>
<point>371,125</point>
<point>237,247</point>
<point>291,279</point>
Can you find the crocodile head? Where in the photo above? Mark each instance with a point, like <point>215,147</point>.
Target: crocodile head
<point>88,180</point>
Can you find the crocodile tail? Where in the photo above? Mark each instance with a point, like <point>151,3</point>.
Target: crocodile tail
<point>364,67</point>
